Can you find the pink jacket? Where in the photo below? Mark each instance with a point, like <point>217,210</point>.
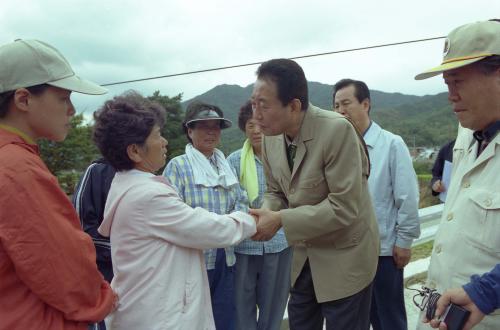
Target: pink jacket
<point>156,247</point>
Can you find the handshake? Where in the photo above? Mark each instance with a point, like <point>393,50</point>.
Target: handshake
<point>268,223</point>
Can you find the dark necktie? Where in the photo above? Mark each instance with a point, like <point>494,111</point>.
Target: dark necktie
<point>482,145</point>
<point>290,154</point>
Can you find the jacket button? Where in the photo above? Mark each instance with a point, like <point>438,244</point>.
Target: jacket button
<point>292,191</point>
<point>438,249</point>
<point>449,217</point>
<point>487,202</point>
<point>466,185</point>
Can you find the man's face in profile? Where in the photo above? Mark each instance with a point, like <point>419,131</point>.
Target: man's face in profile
<point>270,114</point>
<point>474,95</point>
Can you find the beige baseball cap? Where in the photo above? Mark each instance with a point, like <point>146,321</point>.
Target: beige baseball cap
<point>467,44</point>
<point>26,63</point>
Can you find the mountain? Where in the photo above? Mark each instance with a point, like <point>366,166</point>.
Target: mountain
<point>420,120</point>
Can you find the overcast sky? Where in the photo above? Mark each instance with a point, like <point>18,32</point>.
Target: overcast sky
<point>109,41</point>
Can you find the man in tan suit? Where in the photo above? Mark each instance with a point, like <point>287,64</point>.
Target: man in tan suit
<point>316,168</point>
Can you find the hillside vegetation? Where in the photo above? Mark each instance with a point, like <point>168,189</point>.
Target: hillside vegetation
<point>420,120</point>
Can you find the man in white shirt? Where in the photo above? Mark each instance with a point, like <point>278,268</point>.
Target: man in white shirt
<point>394,190</point>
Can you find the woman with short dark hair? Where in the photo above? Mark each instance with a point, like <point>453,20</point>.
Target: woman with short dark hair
<point>156,239</point>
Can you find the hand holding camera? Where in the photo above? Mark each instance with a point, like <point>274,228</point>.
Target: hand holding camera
<point>444,311</point>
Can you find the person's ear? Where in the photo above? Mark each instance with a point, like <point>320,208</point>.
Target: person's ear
<point>366,105</point>
<point>134,153</point>
<point>21,99</point>
<point>190,133</point>
<point>296,105</point>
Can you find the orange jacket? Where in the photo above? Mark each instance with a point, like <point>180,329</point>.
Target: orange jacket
<point>48,275</point>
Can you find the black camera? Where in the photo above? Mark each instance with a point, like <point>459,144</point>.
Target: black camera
<point>454,315</point>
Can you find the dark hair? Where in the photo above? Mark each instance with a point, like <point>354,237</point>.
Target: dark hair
<point>6,97</point>
<point>289,78</point>
<point>126,119</point>
<point>245,115</point>
<point>489,64</point>
<point>361,91</point>
<point>195,108</point>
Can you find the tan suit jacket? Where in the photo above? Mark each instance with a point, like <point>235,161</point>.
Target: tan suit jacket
<point>326,209</point>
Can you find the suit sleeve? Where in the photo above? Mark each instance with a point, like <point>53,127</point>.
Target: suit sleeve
<point>485,290</point>
<point>345,169</point>
<point>52,256</point>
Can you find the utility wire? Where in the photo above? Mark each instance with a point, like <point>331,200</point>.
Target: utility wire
<point>255,63</point>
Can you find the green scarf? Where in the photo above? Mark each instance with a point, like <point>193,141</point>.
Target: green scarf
<point>248,171</point>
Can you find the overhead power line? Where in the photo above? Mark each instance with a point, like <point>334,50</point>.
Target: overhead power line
<point>260,62</point>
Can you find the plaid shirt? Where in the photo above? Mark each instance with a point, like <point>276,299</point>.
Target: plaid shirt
<point>278,243</point>
<point>214,199</point>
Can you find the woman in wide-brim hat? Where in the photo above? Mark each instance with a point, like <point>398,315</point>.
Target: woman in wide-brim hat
<point>204,178</point>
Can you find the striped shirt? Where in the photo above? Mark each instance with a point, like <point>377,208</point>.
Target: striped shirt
<point>278,243</point>
<point>214,199</point>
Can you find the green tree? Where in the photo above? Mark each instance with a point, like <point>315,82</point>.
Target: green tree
<point>68,159</point>
<point>74,153</point>
<point>172,130</point>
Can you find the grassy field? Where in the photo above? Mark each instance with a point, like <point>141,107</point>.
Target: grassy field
<point>421,251</point>
<point>426,198</point>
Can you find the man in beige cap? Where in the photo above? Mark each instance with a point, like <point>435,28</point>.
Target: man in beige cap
<point>48,275</point>
<point>468,240</point>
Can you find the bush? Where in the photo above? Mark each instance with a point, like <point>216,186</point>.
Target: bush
<point>68,181</point>
<point>426,198</point>
<point>422,166</point>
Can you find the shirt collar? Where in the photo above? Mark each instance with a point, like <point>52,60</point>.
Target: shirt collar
<point>257,159</point>
<point>487,134</point>
<point>137,172</point>
<point>368,128</point>
<point>371,134</point>
<point>212,159</point>
<point>287,140</point>
<point>19,133</point>
<point>298,136</point>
